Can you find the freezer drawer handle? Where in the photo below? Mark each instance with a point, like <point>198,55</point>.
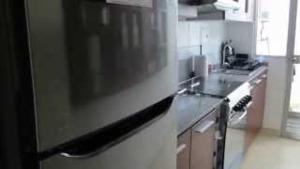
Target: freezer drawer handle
<point>103,139</point>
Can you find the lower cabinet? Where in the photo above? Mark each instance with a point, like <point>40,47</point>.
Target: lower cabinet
<point>197,146</point>
<point>183,150</point>
<point>256,110</point>
<point>203,143</point>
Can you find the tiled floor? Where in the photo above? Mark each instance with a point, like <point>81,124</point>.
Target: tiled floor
<point>269,151</point>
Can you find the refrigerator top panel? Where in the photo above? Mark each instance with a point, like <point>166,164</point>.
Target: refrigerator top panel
<point>97,62</point>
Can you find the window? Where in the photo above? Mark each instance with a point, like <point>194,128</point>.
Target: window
<point>272,27</point>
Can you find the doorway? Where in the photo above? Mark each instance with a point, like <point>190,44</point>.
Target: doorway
<point>291,120</point>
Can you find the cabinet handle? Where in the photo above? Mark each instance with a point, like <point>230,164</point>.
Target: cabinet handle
<point>204,126</point>
<point>257,82</point>
<point>218,136</point>
<point>180,148</point>
<point>195,85</point>
<point>264,76</point>
<point>182,91</point>
<point>249,104</point>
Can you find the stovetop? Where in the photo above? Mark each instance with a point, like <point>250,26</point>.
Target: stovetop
<point>242,65</point>
<point>217,87</point>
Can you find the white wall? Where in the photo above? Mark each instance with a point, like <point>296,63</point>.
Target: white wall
<point>241,34</point>
<point>208,33</point>
<point>275,93</point>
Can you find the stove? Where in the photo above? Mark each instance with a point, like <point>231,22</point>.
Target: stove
<point>232,130</point>
<point>238,103</point>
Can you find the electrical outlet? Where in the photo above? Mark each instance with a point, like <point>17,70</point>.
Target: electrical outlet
<point>204,35</point>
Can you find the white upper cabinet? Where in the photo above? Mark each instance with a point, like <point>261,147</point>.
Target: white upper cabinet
<point>244,14</point>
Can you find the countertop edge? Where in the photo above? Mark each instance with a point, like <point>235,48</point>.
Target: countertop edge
<point>201,116</point>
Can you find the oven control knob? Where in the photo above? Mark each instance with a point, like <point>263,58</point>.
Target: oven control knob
<point>249,98</point>
<point>238,107</point>
<point>235,108</point>
<point>227,100</point>
<point>244,102</point>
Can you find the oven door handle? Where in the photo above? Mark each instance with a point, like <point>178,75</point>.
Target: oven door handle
<point>238,119</point>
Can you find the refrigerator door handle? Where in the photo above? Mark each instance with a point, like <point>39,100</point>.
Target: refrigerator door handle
<point>76,156</point>
<point>113,134</point>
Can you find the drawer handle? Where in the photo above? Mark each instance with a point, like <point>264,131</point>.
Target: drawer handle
<point>195,85</point>
<point>257,82</point>
<point>180,148</point>
<point>204,126</point>
<point>249,104</point>
<point>264,76</point>
<point>182,91</point>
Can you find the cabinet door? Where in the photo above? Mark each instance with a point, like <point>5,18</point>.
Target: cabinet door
<point>250,131</point>
<point>245,13</point>
<point>183,150</point>
<point>261,100</point>
<point>203,143</point>
<point>259,93</point>
<point>256,110</point>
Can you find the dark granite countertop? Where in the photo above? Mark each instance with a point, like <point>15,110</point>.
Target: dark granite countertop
<point>214,88</point>
<point>221,84</point>
<point>190,109</point>
<point>238,78</point>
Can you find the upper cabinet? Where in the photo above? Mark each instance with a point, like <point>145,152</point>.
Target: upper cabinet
<point>230,10</point>
<point>244,14</point>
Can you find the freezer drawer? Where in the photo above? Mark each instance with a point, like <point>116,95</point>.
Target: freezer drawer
<point>154,147</point>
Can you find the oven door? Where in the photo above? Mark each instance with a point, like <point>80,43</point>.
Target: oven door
<point>235,140</point>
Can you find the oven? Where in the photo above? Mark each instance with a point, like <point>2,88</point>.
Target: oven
<point>235,138</point>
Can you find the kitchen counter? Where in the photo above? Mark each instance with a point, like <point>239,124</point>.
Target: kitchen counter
<point>221,84</point>
<point>191,108</point>
<point>237,78</point>
<point>213,89</point>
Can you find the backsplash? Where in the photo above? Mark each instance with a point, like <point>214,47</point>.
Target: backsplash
<point>241,34</point>
<point>191,35</point>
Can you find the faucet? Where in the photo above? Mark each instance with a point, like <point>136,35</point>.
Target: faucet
<point>227,51</point>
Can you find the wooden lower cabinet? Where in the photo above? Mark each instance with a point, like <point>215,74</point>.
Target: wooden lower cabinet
<point>203,143</point>
<point>256,110</point>
<point>196,147</point>
<point>183,150</point>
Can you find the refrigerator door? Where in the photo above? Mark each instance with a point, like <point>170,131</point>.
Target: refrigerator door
<point>97,62</point>
<point>154,147</point>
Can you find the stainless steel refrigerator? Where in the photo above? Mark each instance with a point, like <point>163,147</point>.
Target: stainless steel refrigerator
<point>104,78</point>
